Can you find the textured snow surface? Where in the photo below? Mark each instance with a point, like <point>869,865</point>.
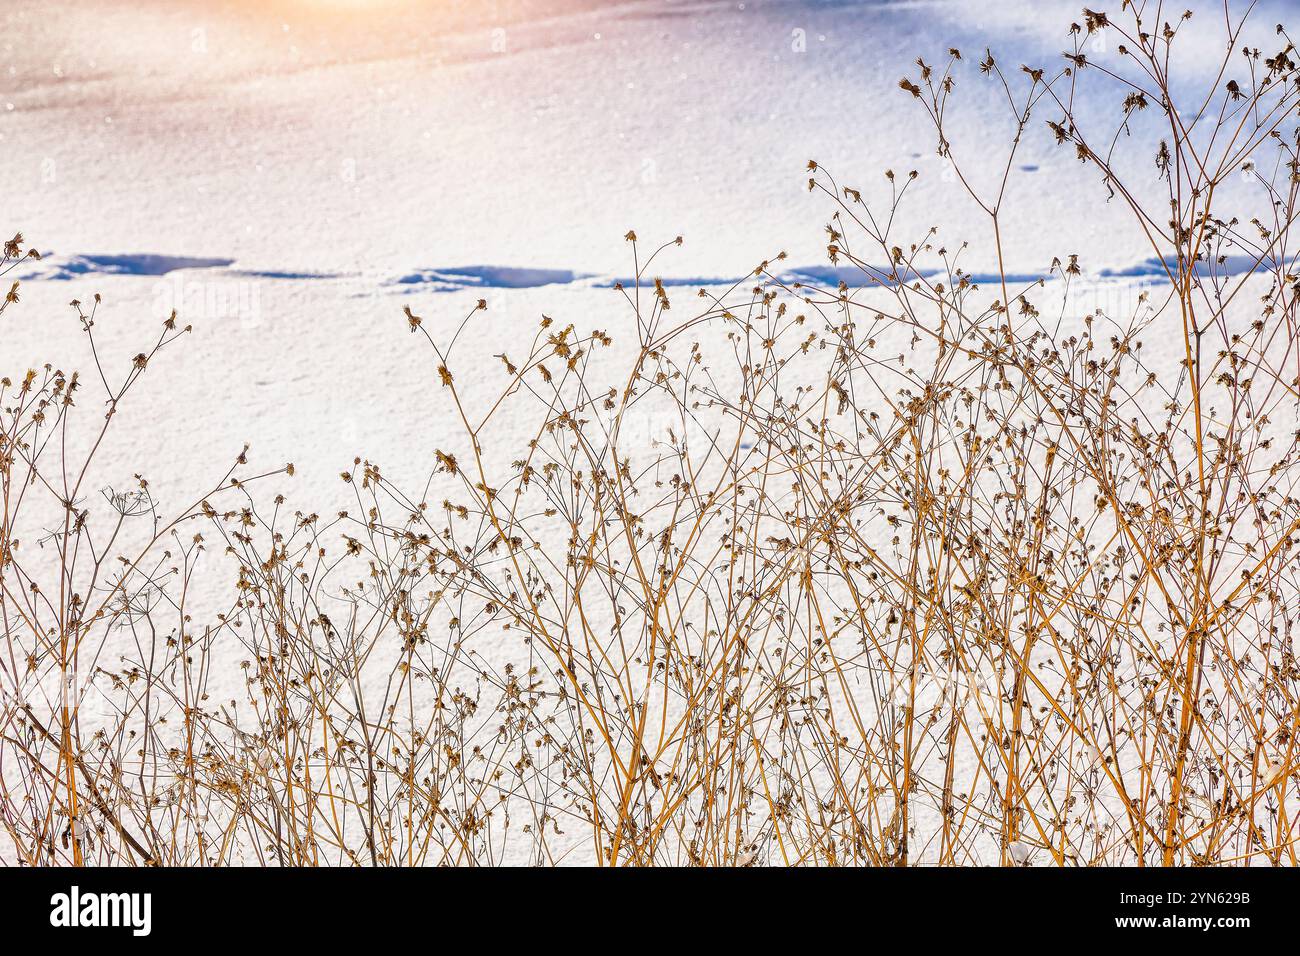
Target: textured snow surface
<point>300,137</point>
<point>289,175</point>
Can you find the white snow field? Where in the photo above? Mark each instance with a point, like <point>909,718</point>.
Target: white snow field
<point>289,174</point>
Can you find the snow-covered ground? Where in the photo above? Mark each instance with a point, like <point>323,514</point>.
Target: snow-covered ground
<point>310,137</point>
<point>289,174</point>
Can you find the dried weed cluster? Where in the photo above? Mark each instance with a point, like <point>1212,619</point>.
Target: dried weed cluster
<point>911,570</point>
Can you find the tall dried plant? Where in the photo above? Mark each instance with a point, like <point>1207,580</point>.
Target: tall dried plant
<point>918,566</point>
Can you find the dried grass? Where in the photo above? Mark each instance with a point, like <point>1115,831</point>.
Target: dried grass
<point>913,570</point>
